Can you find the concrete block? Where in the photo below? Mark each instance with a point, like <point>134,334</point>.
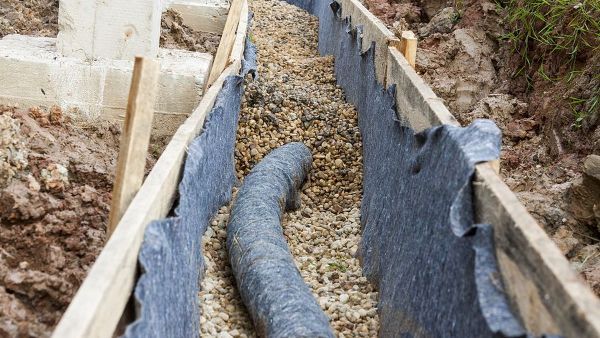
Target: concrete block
<point>109,29</point>
<point>34,73</point>
<point>202,15</point>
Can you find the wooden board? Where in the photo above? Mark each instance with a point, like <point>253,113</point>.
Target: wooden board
<point>415,101</point>
<point>408,46</point>
<point>548,294</point>
<point>374,30</point>
<point>240,38</point>
<point>99,302</point>
<point>133,147</point>
<point>226,43</point>
<point>98,305</point>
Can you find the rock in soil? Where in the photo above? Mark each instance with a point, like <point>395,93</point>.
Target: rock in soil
<point>584,195</point>
<point>295,98</point>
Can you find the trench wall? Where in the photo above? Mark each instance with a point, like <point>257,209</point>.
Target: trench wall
<point>435,269</point>
<point>171,257</point>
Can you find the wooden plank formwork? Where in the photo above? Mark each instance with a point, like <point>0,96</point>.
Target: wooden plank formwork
<point>100,301</point>
<point>544,290</point>
<point>541,286</point>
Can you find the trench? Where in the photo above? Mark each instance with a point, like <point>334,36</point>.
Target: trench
<point>400,201</point>
<point>295,98</point>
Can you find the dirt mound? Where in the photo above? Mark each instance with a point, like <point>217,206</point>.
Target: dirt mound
<point>29,17</point>
<point>175,34</point>
<point>469,53</point>
<point>53,213</point>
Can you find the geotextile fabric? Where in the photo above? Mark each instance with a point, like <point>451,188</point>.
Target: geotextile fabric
<point>271,287</point>
<point>170,257</point>
<point>435,270</point>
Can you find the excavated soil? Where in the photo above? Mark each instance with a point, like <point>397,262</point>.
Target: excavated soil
<point>29,17</point>
<point>295,98</point>
<point>55,188</point>
<point>463,57</point>
<point>40,18</point>
<point>56,179</point>
<point>176,35</point>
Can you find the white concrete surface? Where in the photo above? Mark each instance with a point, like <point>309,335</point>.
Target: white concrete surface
<point>202,15</point>
<point>109,29</point>
<point>34,73</point>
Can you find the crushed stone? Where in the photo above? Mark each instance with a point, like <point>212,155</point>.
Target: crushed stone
<point>295,98</point>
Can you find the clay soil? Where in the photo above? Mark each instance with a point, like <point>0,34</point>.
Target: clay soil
<point>466,61</point>
<point>40,18</point>
<point>55,188</point>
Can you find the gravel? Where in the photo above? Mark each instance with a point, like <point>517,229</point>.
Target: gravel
<point>296,98</point>
<point>13,150</point>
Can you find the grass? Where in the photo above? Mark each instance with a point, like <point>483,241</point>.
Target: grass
<point>336,266</point>
<point>558,26</point>
<point>556,32</point>
<point>584,107</point>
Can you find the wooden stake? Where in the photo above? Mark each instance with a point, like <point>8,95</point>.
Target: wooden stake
<point>135,138</point>
<point>496,166</point>
<point>221,59</point>
<point>408,47</point>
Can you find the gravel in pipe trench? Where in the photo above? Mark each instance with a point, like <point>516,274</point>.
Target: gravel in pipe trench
<point>295,98</point>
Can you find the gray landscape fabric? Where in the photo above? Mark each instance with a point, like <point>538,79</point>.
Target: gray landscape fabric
<point>271,287</point>
<point>170,258</point>
<point>435,270</point>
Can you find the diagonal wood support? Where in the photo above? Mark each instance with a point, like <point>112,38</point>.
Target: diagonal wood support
<point>135,138</point>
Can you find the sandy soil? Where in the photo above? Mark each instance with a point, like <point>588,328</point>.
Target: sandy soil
<point>176,35</point>
<point>40,18</point>
<point>462,56</point>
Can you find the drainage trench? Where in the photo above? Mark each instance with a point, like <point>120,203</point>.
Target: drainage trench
<point>400,201</point>
<point>295,99</point>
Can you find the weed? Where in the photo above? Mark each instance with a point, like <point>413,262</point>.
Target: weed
<point>342,267</point>
<point>589,106</point>
<point>546,30</point>
<point>583,107</point>
<point>456,17</point>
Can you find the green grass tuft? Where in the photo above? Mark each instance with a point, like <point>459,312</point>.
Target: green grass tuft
<point>342,267</point>
<point>565,26</point>
<point>557,31</point>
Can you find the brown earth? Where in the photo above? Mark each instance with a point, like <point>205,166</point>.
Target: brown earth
<point>56,179</point>
<point>56,183</point>
<point>464,59</point>
<point>40,18</point>
<point>176,35</point>
<point>29,17</point>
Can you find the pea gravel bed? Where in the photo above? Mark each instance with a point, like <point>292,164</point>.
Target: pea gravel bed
<point>295,98</point>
